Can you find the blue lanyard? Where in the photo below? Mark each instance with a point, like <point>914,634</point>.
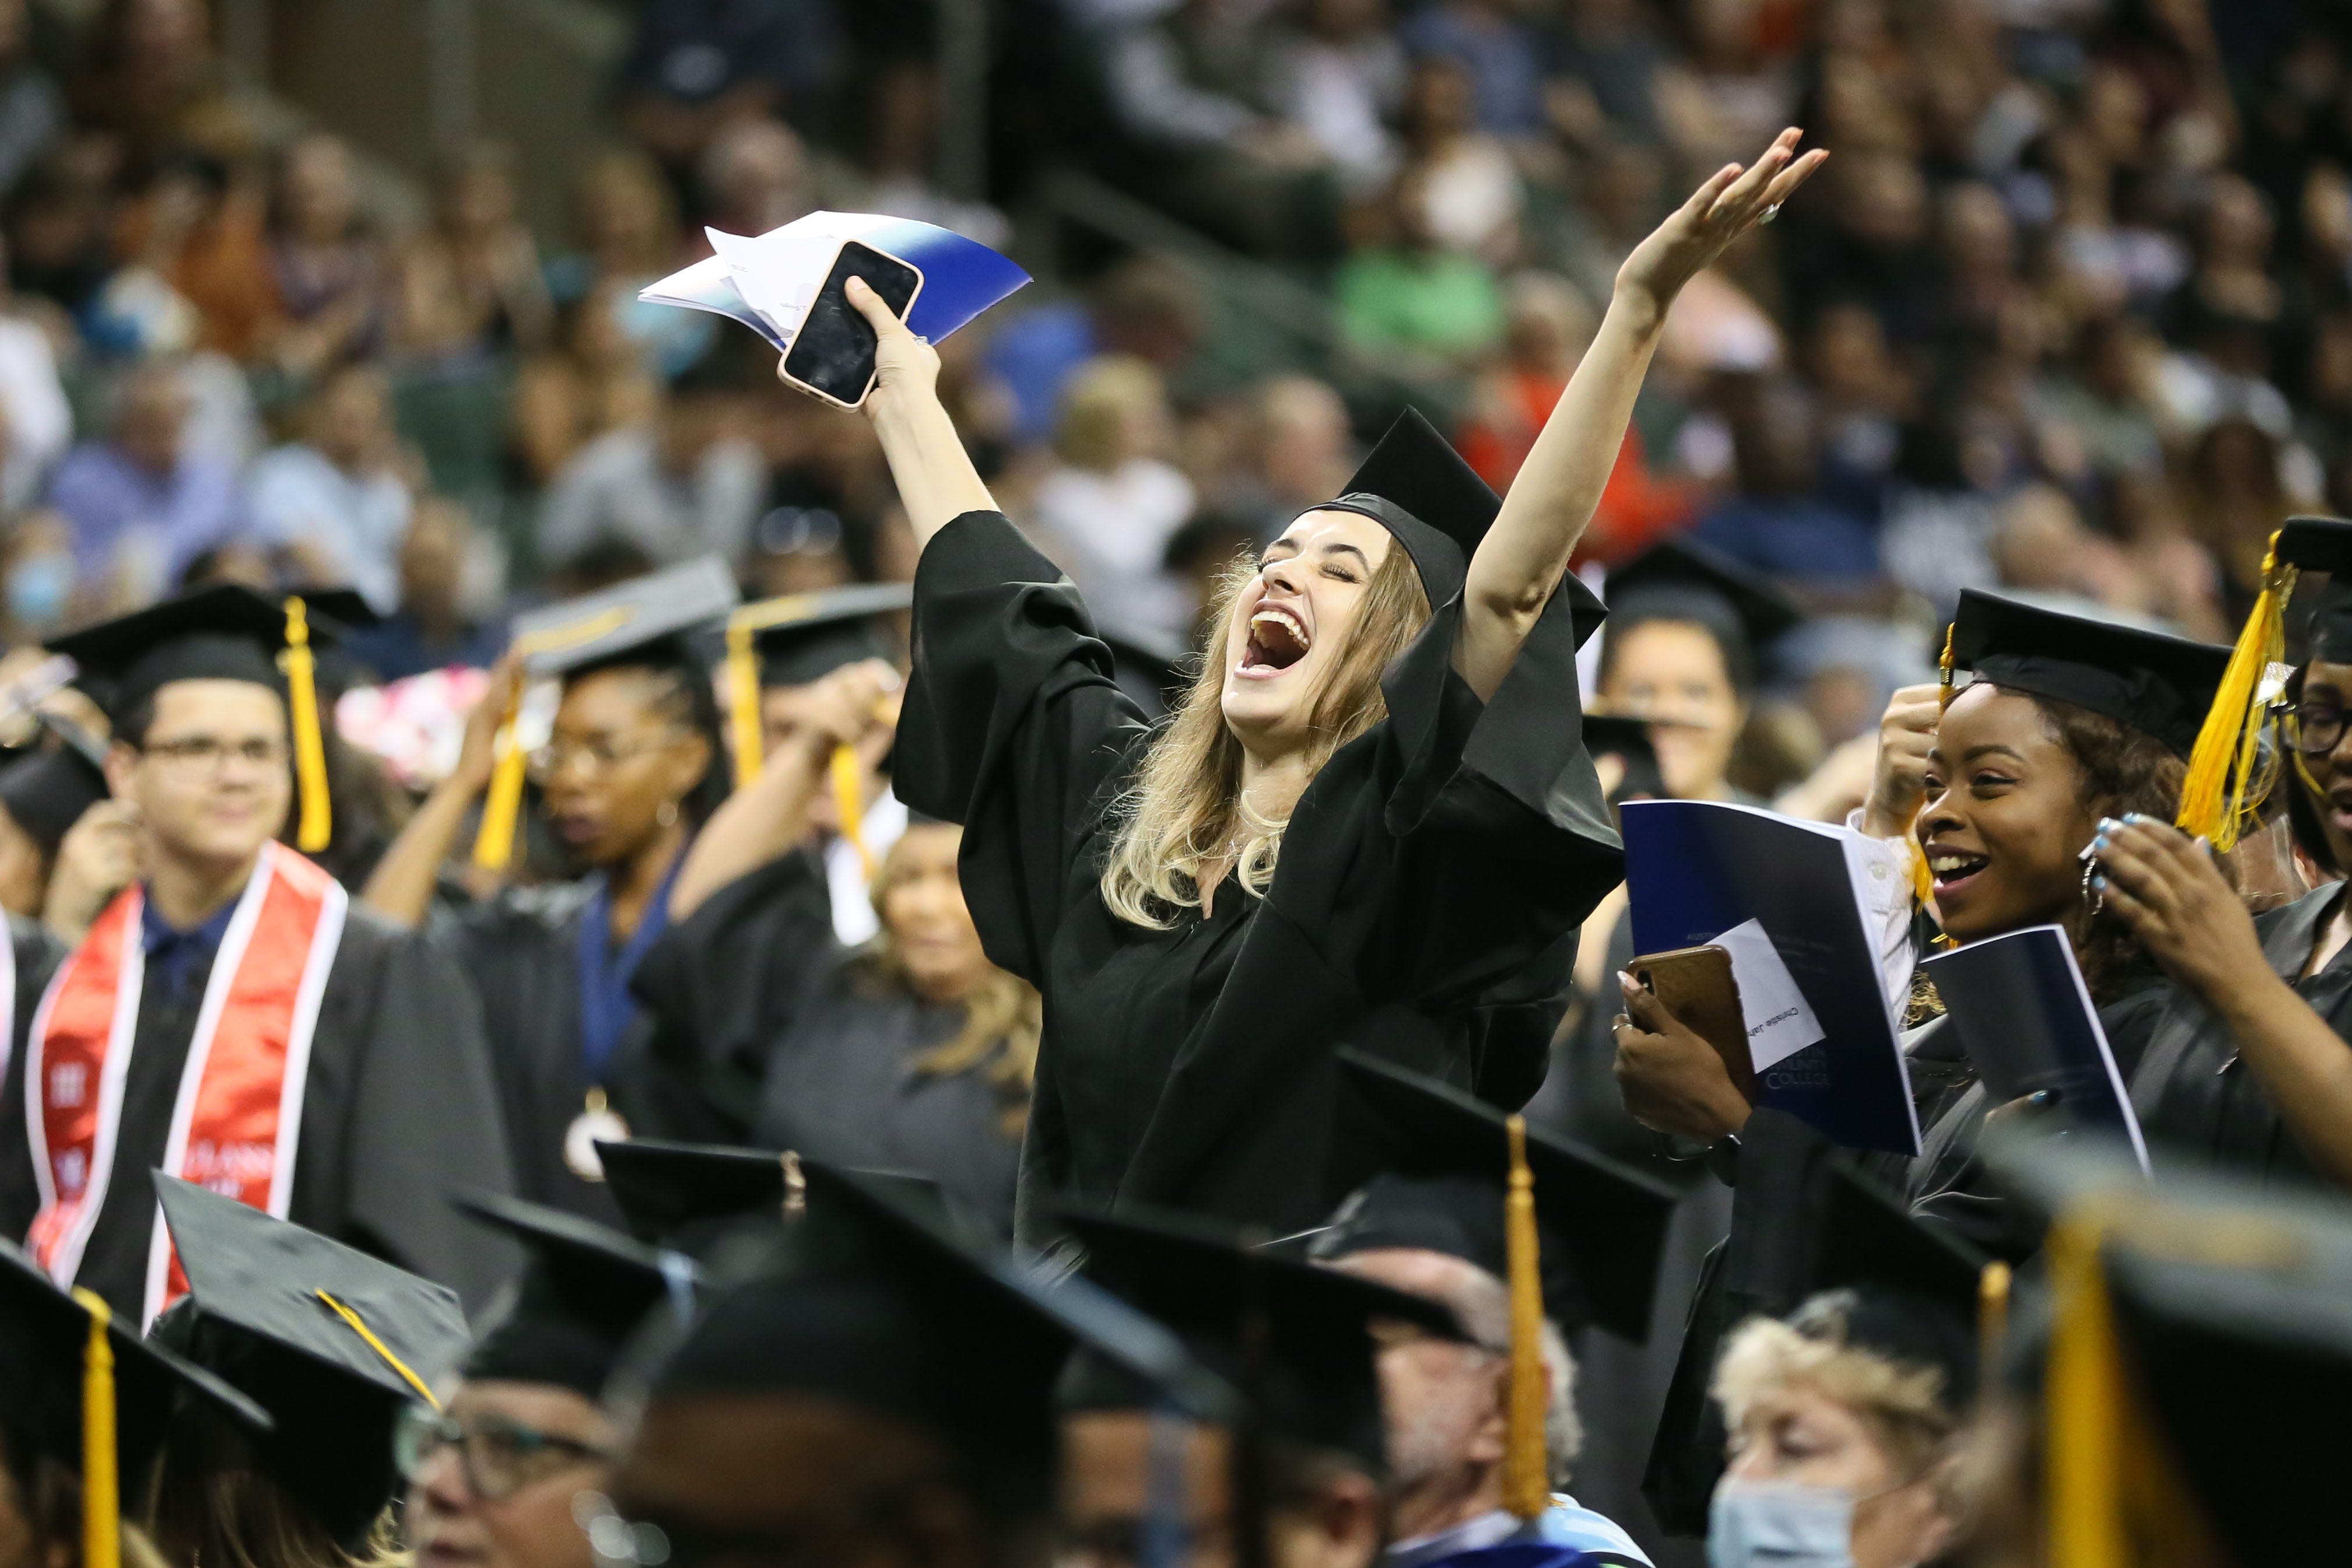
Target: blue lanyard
<point>605,1007</point>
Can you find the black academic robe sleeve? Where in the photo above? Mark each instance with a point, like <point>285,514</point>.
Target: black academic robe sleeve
<point>1013,726</point>
<point>400,1112</point>
<point>717,992</point>
<point>37,952</point>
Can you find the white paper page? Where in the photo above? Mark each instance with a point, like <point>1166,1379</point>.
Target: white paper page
<point>1780,1022</point>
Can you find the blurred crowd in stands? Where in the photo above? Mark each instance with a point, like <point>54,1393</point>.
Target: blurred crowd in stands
<point>2069,310</point>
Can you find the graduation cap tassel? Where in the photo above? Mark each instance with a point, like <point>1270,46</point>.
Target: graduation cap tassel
<point>1992,1319</point>
<point>101,1502</point>
<point>1526,1478</point>
<point>2213,794</point>
<point>2085,1390</point>
<point>317,821</point>
<point>849,803</point>
<point>1923,880</point>
<point>494,844</point>
<point>743,734</point>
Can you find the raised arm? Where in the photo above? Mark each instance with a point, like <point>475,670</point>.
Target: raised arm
<point>401,887</point>
<point>936,480</point>
<point>1523,555</point>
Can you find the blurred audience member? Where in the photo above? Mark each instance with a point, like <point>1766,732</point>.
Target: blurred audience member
<point>592,382</point>
<point>1339,75</point>
<point>328,268</point>
<point>1113,500</point>
<point>688,483</point>
<point>468,283</point>
<point>32,109</point>
<point>1407,297</point>
<point>754,176</point>
<point>1489,43</point>
<point>141,505</point>
<point>1142,307</point>
<point>902,150</point>
<point>335,505</point>
<point>627,231</point>
<point>431,629</point>
<point>1297,452</point>
<point>696,67</point>
<point>1470,191</point>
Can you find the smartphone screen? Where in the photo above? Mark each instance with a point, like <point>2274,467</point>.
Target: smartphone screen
<point>833,351</point>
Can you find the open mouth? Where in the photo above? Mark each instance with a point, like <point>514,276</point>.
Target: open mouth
<point>1278,640</point>
<point>1954,868</point>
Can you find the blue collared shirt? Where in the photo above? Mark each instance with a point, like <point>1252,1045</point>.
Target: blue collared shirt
<point>1566,1527</point>
<point>173,955</point>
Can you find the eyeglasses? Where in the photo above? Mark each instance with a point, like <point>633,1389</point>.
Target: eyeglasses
<point>2314,728</point>
<point>204,753</point>
<point>594,758</point>
<point>500,1457</point>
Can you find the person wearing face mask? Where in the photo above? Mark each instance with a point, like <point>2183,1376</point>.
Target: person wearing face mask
<point>1845,1417</point>
<point>2067,721</point>
<point>1466,1478</point>
<point>496,1474</point>
<point>1374,794</point>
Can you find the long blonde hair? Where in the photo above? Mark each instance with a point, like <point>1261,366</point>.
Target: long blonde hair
<point>1184,808</point>
<point>1002,1015</point>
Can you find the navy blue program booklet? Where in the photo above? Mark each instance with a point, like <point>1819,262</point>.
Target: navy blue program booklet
<point>2027,1022</point>
<point>1784,899</point>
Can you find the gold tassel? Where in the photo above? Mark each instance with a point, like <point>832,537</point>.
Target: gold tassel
<point>317,821</point>
<point>368,1335</point>
<point>849,802</point>
<point>743,731</point>
<point>2213,803</point>
<point>101,1500</point>
<point>2085,1389</point>
<point>494,844</point>
<point>1992,1319</point>
<point>1526,1471</point>
<point>1923,880</point>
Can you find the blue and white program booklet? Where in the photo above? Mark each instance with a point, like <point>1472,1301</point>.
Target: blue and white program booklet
<point>2027,1022</point>
<point>768,281</point>
<point>1785,900</point>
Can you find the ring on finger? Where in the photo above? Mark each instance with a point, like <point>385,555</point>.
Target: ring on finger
<point>1770,213</point>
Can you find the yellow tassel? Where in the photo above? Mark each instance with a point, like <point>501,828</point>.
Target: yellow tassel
<point>2213,797</point>
<point>1526,1471</point>
<point>1992,1319</point>
<point>743,731</point>
<point>1944,667</point>
<point>101,1500</point>
<point>494,844</point>
<point>849,802</point>
<point>1923,880</point>
<point>2084,1389</point>
<point>317,821</point>
<point>382,1350</point>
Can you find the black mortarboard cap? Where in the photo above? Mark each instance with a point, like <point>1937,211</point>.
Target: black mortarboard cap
<point>44,1338</point>
<point>2159,685</point>
<point>47,790</point>
<point>1317,1384</point>
<point>330,1342</point>
<point>875,1305</point>
<point>1683,579</point>
<point>583,1294</point>
<point>1887,1283</point>
<point>2324,544</point>
<point>226,632</point>
<point>804,637</point>
<point>647,619</point>
<point>1601,1224</point>
<point>687,1194</point>
<point>1415,485</point>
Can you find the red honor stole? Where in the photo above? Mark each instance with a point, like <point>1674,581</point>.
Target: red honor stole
<point>239,1113</point>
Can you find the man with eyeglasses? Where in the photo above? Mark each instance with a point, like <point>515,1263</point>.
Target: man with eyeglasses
<point>230,1019</point>
<point>503,1475</point>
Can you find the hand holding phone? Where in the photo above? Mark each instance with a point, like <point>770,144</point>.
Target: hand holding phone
<point>832,355</point>
<point>1696,984</point>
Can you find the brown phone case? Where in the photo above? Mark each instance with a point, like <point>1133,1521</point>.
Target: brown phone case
<point>1696,986</point>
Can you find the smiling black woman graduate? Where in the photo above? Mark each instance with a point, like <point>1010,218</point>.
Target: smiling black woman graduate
<point>258,1034</point>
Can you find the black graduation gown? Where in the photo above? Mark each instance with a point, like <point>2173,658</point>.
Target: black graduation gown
<point>2196,1099</point>
<point>709,990</point>
<point>399,1112</point>
<point>842,1087</point>
<point>1766,1263</point>
<point>1433,858</point>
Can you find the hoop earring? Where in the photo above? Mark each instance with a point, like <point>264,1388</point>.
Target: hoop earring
<point>667,815</point>
<point>2095,886</point>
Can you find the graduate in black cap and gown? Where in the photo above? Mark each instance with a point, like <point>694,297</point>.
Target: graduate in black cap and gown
<point>70,1498</point>
<point>1374,796</point>
<point>2249,1067</point>
<point>495,1473</point>
<point>231,1018</point>
<point>2067,721</point>
<point>635,766</point>
<point>1470,1476</point>
<point>334,1345</point>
